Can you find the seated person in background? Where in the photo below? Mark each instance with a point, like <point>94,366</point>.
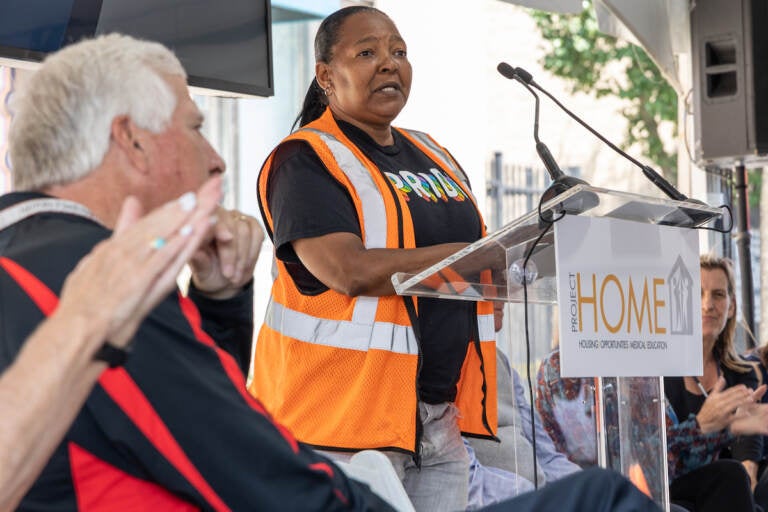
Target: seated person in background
<point>566,407</point>
<point>759,357</point>
<point>44,388</point>
<point>500,470</point>
<point>706,415</point>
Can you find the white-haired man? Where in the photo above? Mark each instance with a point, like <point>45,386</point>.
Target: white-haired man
<point>171,426</point>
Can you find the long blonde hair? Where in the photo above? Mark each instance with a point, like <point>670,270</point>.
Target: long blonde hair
<point>725,349</point>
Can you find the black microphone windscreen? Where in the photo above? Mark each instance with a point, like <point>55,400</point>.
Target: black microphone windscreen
<point>523,75</point>
<point>506,70</point>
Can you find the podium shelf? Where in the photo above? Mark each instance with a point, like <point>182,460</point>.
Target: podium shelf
<point>492,267</point>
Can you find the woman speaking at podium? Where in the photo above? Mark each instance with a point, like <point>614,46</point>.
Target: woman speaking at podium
<point>348,200</point>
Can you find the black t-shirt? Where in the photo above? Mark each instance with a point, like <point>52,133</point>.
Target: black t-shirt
<point>306,201</point>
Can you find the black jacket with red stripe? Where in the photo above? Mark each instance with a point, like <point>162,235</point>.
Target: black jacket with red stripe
<point>174,429</point>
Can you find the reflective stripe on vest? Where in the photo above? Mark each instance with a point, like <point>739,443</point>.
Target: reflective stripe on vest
<point>374,221</point>
<point>439,152</point>
<point>485,327</point>
<point>341,334</point>
<point>374,214</point>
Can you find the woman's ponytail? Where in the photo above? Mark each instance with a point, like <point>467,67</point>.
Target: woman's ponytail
<point>314,105</point>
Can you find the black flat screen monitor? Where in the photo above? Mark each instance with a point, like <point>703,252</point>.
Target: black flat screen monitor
<point>225,45</point>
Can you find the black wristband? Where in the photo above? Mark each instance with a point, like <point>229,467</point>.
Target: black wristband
<point>112,355</point>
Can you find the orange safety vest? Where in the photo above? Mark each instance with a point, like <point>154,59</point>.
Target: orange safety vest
<point>340,372</point>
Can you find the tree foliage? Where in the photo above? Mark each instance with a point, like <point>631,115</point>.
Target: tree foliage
<point>595,63</point>
<point>755,180</point>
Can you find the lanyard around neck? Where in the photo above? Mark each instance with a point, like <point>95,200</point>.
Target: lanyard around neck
<point>25,209</point>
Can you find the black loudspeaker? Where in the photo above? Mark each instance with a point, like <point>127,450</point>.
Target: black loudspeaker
<point>730,81</point>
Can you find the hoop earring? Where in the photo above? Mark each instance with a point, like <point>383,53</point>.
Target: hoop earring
<point>328,91</point>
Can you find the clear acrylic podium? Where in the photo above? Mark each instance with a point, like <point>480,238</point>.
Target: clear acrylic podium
<point>627,415</point>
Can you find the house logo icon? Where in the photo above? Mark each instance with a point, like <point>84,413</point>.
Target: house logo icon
<point>680,299</point>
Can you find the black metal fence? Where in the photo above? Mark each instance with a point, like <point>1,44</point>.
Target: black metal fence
<point>514,190</point>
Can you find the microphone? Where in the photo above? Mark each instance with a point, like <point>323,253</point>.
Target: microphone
<point>654,177</point>
<point>560,181</point>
